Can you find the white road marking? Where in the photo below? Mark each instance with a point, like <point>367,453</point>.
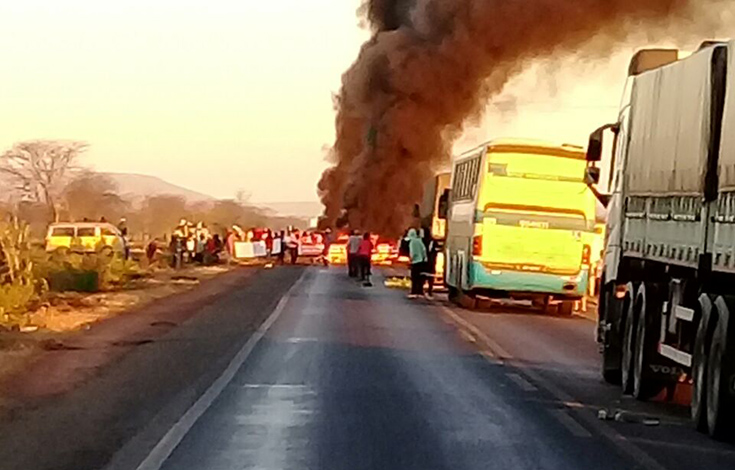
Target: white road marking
<point>277,386</point>
<point>467,336</point>
<point>495,353</point>
<point>524,384</point>
<point>571,424</point>
<point>498,351</point>
<point>301,340</point>
<point>165,447</point>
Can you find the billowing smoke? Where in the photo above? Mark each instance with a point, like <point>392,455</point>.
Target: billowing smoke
<point>432,64</point>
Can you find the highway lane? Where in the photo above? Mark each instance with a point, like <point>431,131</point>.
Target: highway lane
<point>559,355</point>
<point>357,378</point>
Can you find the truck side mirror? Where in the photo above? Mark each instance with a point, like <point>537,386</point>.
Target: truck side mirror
<point>594,147</point>
<point>443,210</point>
<point>592,175</point>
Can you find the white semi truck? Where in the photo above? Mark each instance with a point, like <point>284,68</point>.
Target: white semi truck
<point>667,298</point>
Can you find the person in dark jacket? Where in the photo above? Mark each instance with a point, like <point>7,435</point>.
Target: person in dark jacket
<point>430,266</point>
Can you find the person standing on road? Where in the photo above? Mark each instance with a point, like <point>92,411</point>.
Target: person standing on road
<point>281,247</point>
<point>364,252</point>
<point>328,239</point>
<point>353,245</point>
<point>293,246</point>
<point>418,263</point>
<point>430,271</point>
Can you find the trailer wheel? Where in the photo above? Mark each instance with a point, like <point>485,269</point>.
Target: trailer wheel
<point>610,354</point>
<point>721,375</point>
<point>699,364</point>
<point>629,341</point>
<point>648,327</point>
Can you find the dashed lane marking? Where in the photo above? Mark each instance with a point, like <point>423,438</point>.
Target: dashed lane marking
<point>571,424</point>
<point>524,384</point>
<point>302,340</point>
<point>467,336</point>
<point>498,351</point>
<point>494,353</point>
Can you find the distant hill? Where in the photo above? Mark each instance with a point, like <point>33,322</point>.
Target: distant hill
<point>137,187</point>
<point>302,210</point>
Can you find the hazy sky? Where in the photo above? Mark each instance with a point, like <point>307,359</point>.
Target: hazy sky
<point>219,96</point>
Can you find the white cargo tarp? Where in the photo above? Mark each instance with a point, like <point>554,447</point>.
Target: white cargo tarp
<point>670,128</point>
<point>727,150</point>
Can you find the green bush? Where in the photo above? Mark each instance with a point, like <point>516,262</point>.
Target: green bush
<point>18,284</point>
<point>27,272</point>
<point>85,272</point>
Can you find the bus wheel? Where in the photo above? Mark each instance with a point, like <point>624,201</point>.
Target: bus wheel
<point>453,294</point>
<point>720,390</point>
<point>470,301</point>
<point>645,386</point>
<point>629,342</point>
<point>566,308</point>
<point>699,364</point>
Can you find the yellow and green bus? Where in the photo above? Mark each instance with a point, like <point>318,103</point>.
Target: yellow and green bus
<point>520,223</point>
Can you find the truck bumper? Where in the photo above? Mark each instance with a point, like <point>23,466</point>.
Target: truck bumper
<point>528,282</point>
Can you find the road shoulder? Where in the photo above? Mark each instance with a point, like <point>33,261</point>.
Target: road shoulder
<point>155,378</point>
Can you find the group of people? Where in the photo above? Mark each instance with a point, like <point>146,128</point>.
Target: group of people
<point>359,253</point>
<point>191,243</point>
<point>421,248</point>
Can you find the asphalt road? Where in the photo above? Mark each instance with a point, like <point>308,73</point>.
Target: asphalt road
<point>125,407</point>
<point>362,378</point>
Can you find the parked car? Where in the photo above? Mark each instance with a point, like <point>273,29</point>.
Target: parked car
<point>85,237</point>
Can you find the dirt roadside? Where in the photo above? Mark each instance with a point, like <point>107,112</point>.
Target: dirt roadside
<point>75,406</point>
<point>62,318</point>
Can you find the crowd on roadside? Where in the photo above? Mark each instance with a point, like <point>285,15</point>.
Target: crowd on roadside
<point>196,243</point>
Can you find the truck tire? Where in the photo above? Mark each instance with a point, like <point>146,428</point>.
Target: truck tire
<point>648,327</point>
<point>610,360</point>
<point>699,364</point>
<point>629,328</point>
<point>721,375</point>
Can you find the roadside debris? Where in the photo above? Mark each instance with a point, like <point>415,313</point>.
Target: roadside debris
<point>397,283</point>
<point>621,416</point>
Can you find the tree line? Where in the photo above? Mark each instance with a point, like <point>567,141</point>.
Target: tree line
<point>43,182</point>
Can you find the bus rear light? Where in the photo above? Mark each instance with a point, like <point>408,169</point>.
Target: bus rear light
<point>477,245</point>
<point>586,252</point>
<point>621,291</point>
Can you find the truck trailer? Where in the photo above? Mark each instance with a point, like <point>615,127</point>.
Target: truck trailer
<point>667,296</point>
